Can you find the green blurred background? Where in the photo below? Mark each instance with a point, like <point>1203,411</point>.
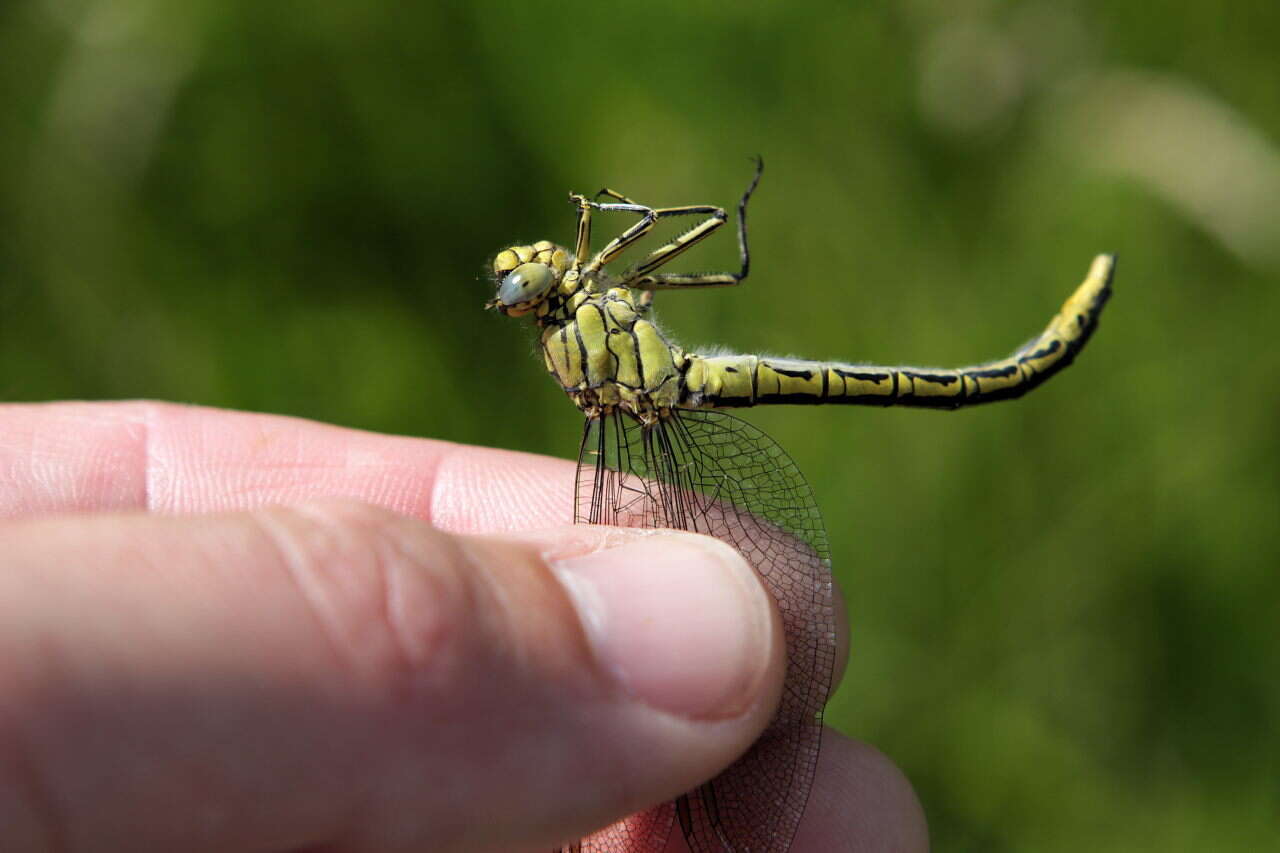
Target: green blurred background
<point>1065,610</point>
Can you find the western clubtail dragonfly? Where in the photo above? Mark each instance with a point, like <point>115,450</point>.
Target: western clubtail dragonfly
<point>657,451</point>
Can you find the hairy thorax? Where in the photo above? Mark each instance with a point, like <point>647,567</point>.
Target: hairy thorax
<point>607,354</point>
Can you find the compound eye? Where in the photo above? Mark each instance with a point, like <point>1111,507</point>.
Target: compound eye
<point>524,284</point>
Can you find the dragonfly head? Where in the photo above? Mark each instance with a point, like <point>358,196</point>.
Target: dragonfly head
<point>525,275</point>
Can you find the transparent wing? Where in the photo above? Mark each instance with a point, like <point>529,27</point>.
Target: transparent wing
<point>642,833</point>
<point>713,473</point>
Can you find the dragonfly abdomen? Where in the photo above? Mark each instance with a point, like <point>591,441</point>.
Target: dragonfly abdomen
<point>748,380</point>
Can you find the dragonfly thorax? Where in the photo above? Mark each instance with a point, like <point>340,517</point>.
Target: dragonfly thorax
<point>607,355</point>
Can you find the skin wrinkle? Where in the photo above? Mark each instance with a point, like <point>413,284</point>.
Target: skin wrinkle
<point>496,607</point>
<point>423,636</point>
<point>333,558</point>
<point>292,558</point>
<point>147,423</point>
<point>391,609</point>
<point>424,508</point>
<point>136,418</point>
<point>430,512</point>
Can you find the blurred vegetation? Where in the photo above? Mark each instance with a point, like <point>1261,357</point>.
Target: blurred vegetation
<point>1064,610</point>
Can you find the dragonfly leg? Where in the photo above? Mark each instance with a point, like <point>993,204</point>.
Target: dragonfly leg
<point>613,194</point>
<point>583,244</point>
<point>648,217</point>
<point>715,218</point>
<point>619,244</point>
<point>641,275</point>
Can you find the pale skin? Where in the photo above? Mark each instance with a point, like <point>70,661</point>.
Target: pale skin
<point>235,632</point>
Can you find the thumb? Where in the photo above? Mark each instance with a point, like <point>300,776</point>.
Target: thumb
<point>338,675</point>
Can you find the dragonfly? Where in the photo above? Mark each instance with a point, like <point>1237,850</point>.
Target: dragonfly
<point>659,450</point>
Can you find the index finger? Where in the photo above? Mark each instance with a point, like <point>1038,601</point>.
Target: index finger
<point>169,458</point>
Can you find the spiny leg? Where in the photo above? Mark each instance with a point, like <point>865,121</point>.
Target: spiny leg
<point>640,277</point>
<point>715,218</point>
<point>645,300</point>
<point>648,217</point>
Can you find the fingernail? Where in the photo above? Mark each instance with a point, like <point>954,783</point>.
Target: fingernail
<point>680,622</point>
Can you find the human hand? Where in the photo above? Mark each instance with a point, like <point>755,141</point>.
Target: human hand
<point>195,654</point>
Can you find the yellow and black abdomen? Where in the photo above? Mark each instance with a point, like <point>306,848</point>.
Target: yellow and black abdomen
<point>724,381</point>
